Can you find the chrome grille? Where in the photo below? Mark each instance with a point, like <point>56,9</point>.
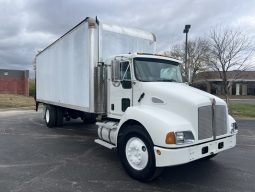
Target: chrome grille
<point>211,123</point>
<point>204,122</point>
<point>220,115</point>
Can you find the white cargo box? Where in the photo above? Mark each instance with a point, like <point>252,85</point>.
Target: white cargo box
<point>65,70</point>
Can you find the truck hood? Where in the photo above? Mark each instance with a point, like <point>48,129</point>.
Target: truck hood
<point>177,98</point>
<point>179,93</point>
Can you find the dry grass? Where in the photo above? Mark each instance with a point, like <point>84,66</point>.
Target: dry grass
<point>243,110</point>
<point>14,101</point>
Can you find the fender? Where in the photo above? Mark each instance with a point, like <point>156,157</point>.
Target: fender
<point>158,122</point>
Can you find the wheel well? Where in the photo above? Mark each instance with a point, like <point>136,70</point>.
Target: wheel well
<point>129,123</point>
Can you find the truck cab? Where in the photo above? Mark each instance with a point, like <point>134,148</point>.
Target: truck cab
<point>155,120</point>
<point>128,74</point>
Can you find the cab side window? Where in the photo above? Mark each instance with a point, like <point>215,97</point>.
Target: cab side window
<point>125,75</point>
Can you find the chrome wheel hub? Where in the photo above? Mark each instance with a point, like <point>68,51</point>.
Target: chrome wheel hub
<point>47,115</point>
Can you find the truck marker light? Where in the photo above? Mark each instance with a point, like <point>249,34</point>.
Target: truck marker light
<point>170,138</point>
<point>158,152</point>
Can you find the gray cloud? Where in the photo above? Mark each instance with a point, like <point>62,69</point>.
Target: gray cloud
<point>27,26</point>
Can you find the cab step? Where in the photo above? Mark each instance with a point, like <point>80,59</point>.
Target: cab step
<point>105,144</point>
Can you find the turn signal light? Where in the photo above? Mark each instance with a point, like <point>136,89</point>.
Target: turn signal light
<point>170,138</point>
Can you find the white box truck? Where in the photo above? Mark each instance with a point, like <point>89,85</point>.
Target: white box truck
<point>142,107</point>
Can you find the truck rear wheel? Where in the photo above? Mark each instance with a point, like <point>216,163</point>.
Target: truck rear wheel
<point>59,116</point>
<point>136,154</point>
<point>50,116</point>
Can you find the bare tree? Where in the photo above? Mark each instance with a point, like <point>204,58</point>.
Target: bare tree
<point>229,50</point>
<point>197,56</point>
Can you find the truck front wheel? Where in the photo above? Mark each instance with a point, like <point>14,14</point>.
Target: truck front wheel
<point>50,116</point>
<point>137,155</point>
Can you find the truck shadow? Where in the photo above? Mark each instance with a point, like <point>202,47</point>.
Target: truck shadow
<point>78,127</point>
<point>198,173</point>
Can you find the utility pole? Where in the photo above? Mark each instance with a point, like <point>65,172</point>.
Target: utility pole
<point>187,67</point>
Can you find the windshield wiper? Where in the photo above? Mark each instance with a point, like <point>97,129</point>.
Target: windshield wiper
<point>167,80</point>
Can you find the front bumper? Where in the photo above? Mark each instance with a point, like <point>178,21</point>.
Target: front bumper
<point>177,156</point>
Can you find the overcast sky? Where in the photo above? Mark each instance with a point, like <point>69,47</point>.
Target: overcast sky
<point>30,25</point>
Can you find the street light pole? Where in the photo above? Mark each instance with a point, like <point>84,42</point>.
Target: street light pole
<point>187,67</point>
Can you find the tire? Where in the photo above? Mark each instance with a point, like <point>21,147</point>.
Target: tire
<point>50,116</point>
<point>135,149</point>
<point>59,117</point>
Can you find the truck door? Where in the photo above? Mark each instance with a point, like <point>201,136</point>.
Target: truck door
<point>120,92</point>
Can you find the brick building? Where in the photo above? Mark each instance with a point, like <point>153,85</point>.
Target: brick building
<point>14,81</point>
<point>242,82</point>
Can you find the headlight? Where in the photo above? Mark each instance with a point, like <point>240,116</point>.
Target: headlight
<point>234,128</point>
<point>184,137</point>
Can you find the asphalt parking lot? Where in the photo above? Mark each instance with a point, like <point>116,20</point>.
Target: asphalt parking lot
<point>35,158</point>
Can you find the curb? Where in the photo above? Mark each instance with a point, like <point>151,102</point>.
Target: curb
<point>245,118</point>
<point>17,108</point>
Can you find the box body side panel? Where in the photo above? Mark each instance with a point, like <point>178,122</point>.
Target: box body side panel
<point>63,70</point>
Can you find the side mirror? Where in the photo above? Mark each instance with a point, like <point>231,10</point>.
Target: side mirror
<point>116,71</point>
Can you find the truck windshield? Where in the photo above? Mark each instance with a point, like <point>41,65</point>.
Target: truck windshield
<point>151,70</point>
